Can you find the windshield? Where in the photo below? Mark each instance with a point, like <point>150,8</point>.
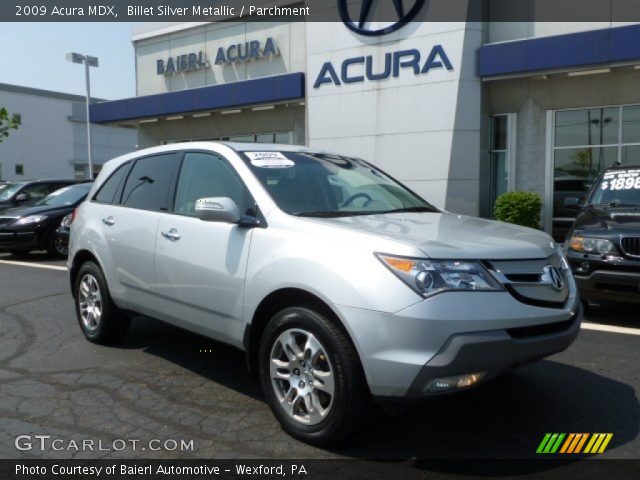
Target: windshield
<point>318,184</point>
<point>618,188</point>
<point>7,190</point>
<point>66,196</point>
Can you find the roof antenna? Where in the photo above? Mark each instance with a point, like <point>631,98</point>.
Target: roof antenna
<point>616,163</point>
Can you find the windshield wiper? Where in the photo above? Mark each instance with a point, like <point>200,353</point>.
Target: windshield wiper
<point>617,204</point>
<point>329,214</point>
<point>412,209</point>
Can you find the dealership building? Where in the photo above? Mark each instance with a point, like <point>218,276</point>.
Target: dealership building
<point>460,112</point>
<point>51,141</point>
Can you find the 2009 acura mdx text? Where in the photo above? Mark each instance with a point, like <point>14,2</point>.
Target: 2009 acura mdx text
<point>338,282</point>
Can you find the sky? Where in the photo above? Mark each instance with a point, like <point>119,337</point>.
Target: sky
<point>33,55</point>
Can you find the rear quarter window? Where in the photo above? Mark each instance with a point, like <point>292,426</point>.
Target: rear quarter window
<point>109,189</point>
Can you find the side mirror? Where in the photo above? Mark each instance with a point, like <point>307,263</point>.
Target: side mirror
<point>217,209</point>
<point>22,197</point>
<point>571,203</point>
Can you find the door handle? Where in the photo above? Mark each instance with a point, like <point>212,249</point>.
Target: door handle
<point>172,235</point>
<point>109,220</point>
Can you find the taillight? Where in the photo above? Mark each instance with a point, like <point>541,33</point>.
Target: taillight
<point>73,215</point>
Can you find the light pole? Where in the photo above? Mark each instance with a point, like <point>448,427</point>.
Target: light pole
<point>88,61</point>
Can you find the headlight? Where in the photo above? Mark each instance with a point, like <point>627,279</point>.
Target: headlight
<point>66,221</point>
<point>428,277</point>
<point>591,245</point>
<point>560,251</point>
<point>30,219</point>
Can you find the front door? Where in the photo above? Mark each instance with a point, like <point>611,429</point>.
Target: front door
<point>200,266</point>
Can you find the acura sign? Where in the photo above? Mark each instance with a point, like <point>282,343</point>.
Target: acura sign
<point>357,69</point>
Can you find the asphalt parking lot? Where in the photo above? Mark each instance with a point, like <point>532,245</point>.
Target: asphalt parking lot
<point>165,383</point>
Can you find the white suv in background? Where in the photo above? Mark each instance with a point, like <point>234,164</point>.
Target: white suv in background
<point>337,281</point>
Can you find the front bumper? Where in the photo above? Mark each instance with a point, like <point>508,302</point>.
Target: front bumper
<point>495,351</point>
<point>612,279</point>
<point>456,333</point>
<point>19,240</point>
<point>610,286</point>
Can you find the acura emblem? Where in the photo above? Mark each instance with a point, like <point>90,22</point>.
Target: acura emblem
<point>553,276</point>
<point>361,25</point>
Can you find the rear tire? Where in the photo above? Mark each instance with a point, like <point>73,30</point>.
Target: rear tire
<point>100,319</point>
<point>311,376</point>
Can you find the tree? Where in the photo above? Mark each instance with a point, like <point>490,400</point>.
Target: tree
<point>7,122</point>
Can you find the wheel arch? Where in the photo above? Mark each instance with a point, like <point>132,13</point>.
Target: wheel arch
<point>81,257</point>
<point>279,300</point>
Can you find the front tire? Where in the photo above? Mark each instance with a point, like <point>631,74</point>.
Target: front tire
<point>56,247</point>
<point>311,376</point>
<point>100,319</point>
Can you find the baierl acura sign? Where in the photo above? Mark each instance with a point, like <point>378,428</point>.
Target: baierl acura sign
<point>234,53</point>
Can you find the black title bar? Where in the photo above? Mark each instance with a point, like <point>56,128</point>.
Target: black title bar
<point>320,10</point>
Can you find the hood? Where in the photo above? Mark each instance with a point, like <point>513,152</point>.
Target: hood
<point>609,220</point>
<point>35,210</point>
<point>450,236</point>
<point>4,204</point>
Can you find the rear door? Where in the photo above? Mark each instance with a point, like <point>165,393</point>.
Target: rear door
<point>130,222</point>
<point>201,266</point>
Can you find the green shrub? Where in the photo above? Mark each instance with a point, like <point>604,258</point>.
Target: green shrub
<point>521,208</point>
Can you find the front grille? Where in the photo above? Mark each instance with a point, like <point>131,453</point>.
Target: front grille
<point>630,246</point>
<point>528,280</point>
<point>538,330</point>
<point>616,287</point>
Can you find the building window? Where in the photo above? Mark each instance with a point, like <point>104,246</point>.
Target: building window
<point>501,154</point>
<point>19,169</point>
<point>585,142</point>
<point>278,137</point>
<point>78,172</point>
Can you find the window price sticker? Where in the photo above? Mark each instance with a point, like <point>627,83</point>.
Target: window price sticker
<point>269,160</point>
<point>621,180</point>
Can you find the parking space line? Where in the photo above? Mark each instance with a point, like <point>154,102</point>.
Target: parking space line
<point>610,328</point>
<point>33,265</point>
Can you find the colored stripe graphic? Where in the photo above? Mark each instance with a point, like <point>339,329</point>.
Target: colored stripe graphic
<point>543,443</point>
<point>550,443</point>
<point>573,443</point>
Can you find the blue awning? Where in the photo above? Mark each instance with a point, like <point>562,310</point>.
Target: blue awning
<point>574,50</point>
<point>279,88</point>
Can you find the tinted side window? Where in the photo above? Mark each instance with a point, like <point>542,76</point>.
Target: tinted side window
<point>108,190</point>
<point>208,175</point>
<point>37,191</point>
<point>149,182</point>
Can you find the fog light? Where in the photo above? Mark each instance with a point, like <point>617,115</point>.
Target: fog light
<point>468,380</point>
<point>583,268</point>
<point>442,384</point>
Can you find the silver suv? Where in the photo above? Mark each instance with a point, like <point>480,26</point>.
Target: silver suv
<point>339,283</point>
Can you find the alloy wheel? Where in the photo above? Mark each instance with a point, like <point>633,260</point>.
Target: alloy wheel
<point>60,246</point>
<point>302,376</point>
<point>90,302</point>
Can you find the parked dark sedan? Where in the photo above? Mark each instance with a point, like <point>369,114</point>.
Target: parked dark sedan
<point>20,194</point>
<point>603,245</point>
<point>31,228</point>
